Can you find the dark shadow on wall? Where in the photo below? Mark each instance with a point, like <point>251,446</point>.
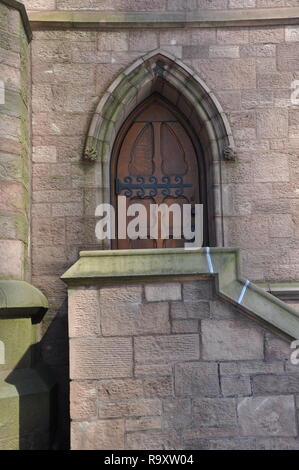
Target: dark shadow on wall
<point>54,352</point>
<point>41,379</point>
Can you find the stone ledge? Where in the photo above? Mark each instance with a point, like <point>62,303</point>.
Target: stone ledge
<point>19,299</point>
<point>221,263</point>
<point>19,6</point>
<point>283,290</point>
<point>202,19</point>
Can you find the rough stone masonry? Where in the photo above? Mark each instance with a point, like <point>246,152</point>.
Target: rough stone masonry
<point>150,377</point>
<point>169,365</point>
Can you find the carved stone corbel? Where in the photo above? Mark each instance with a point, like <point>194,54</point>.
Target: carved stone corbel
<point>229,153</point>
<point>90,154</point>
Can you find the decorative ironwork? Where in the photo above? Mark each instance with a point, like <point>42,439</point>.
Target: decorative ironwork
<point>152,186</point>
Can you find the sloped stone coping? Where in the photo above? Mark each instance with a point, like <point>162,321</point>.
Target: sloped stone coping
<point>222,263</point>
<point>25,20</point>
<point>287,290</point>
<point>21,300</point>
<point>158,19</point>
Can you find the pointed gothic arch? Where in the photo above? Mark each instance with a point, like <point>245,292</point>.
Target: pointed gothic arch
<point>160,72</point>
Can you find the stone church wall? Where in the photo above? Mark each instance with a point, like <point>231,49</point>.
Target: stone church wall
<point>249,69</point>
<point>15,146</point>
<point>169,365</point>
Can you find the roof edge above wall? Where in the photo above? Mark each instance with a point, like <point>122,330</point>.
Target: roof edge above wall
<point>92,19</point>
<point>20,7</point>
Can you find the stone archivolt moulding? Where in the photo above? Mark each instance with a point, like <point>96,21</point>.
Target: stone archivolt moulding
<point>140,80</point>
<point>221,263</point>
<point>161,72</point>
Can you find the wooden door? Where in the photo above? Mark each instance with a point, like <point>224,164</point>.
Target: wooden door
<point>155,163</point>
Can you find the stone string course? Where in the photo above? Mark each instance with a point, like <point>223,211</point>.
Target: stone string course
<point>154,5</point>
<point>169,365</point>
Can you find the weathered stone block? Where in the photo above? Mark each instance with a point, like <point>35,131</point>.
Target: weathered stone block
<point>195,291</point>
<point>206,432</point>
<point>292,33</point>
<point>67,209</point>
<point>224,51</point>
<point>227,340</point>
<point>151,349</point>
<point>267,416</point>
<point>83,312</point>
<point>273,167</point>
<point>163,291</point>
<point>121,294</point>
<point>12,259</point>
<point>153,440</point>
<point>120,389</point>
<point>227,74</point>
<point>257,50</point>
<point>142,40</point>
<point>223,444</point>
<point>214,412</point>
<point>277,443</point>
<point>195,52</point>
<point>158,387</point>
<point>144,423</point>
<point>180,310</point>
<point>184,326</point>
<point>222,310</point>
<point>232,36</point>
<point>177,413</point>
<point>51,52</point>
<point>269,384</point>
<point>281,225</point>
<point>100,358</point>
<point>181,5</point>
<point>287,58</point>
<point>196,379</point>
<point>44,154</point>
<point>143,407</point>
<point>40,4</point>
<point>272,123</point>
<point>133,319</point>
<point>267,35</point>
<point>271,79</point>
<point>98,435</point>
<point>251,367</point>
<point>112,41</point>
<point>149,370</point>
<point>236,385</point>
<point>83,400</point>
<point>241,3</point>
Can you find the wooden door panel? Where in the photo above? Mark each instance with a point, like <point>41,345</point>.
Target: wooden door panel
<point>170,147</point>
<point>156,162</point>
<point>142,151</point>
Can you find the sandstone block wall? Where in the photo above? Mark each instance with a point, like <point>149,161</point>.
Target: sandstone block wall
<point>249,69</point>
<point>15,147</point>
<point>170,366</point>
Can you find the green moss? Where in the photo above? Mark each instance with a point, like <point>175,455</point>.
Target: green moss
<point>16,335</point>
